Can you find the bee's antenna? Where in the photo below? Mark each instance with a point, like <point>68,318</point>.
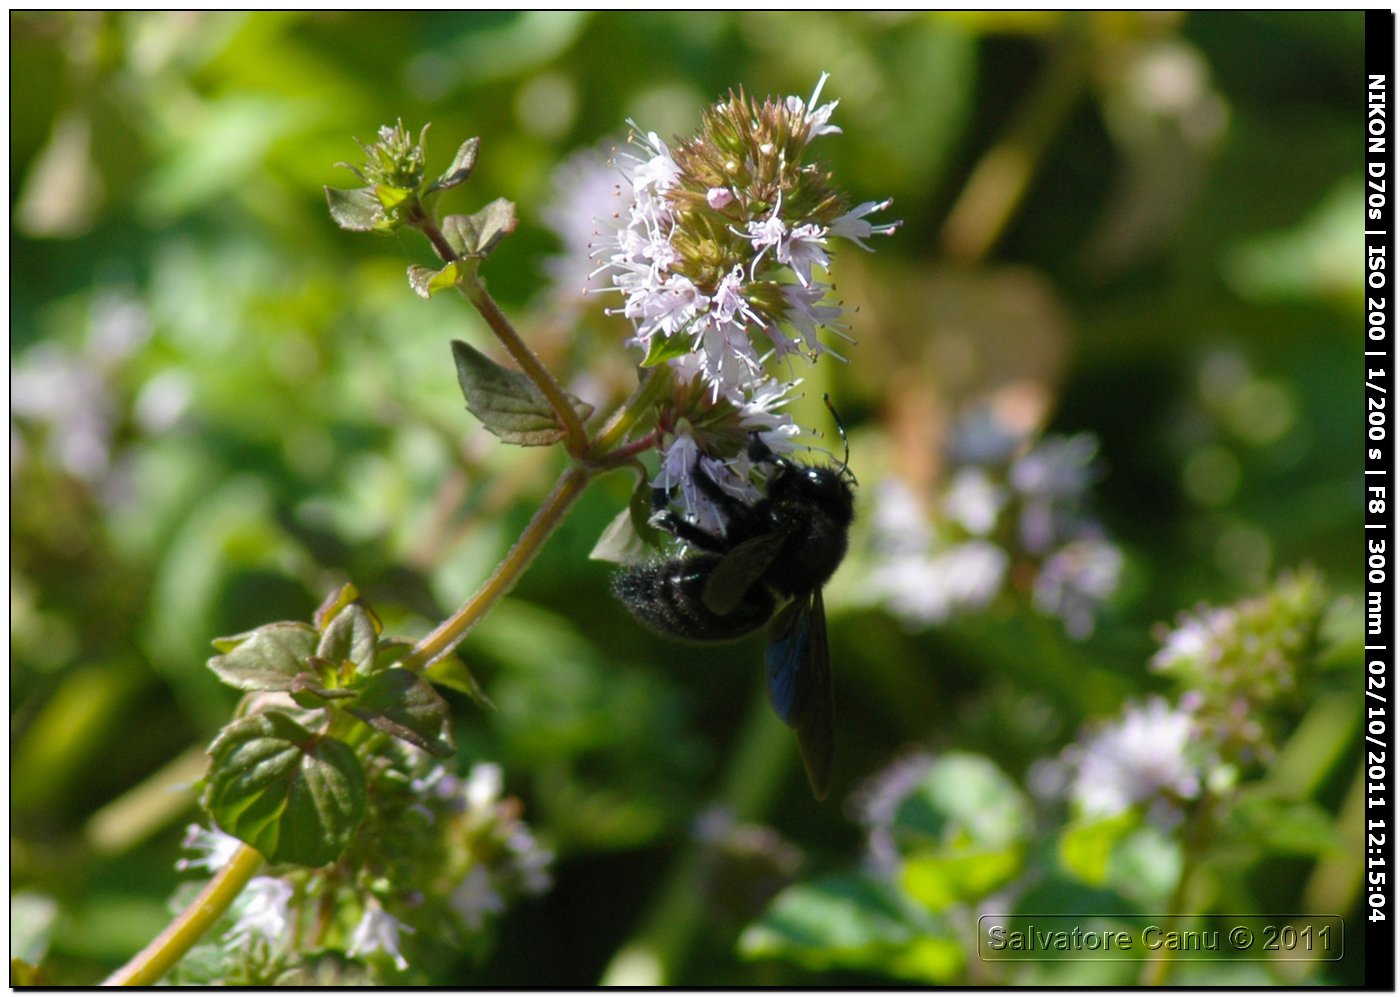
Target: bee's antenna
<point>845,443</point>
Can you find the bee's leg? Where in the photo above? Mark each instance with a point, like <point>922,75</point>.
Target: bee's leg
<point>687,531</point>
<point>761,453</point>
<point>664,518</point>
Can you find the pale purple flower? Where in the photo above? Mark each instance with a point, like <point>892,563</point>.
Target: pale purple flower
<point>806,314</point>
<point>816,117</point>
<point>483,786</point>
<point>378,931</point>
<point>1144,755</point>
<point>853,226</point>
<point>263,913</point>
<point>719,198</point>
<point>532,863</point>
<point>586,196</point>
<point>438,783</point>
<point>1197,641</point>
<point>875,805</point>
<point>974,501</point>
<point>215,849</point>
<point>801,249</point>
<point>477,896</point>
<point>1075,580</point>
<point>930,588</point>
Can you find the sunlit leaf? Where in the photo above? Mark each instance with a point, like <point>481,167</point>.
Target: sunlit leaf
<point>461,169</point>
<point>351,636</point>
<point>266,658</point>
<point>1085,846</point>
<point>293,795</point>
<point>506,401</point>
<point>355,210</point>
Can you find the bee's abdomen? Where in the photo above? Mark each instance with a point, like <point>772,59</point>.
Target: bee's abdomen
<point>668,597</point>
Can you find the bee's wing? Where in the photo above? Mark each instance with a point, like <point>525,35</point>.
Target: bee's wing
<point>738,571</point>
<point>799,684</point>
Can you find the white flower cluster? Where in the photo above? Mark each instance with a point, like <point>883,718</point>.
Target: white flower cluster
<point>1146,756</point>
<point>719,257</point>
<point>995,513</point>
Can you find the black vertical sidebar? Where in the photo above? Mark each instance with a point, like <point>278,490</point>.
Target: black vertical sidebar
<point>1380,911</point>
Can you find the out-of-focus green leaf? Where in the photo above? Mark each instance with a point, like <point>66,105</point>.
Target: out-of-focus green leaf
<point>1280,827</point>
<point>293,795</point>
<point>940,878</point>
<point>1086,846</point>
<point>32,917</point>
<point>964,801</point>
<point>853,922</point>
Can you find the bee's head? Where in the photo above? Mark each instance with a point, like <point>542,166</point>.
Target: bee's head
<point>827,488</point>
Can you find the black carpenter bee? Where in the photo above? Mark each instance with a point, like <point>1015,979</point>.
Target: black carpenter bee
<point>773,558</point>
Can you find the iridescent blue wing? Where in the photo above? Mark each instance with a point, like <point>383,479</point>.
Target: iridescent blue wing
<point>799,684</point>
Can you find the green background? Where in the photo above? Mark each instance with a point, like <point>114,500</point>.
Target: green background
<point>245,406</point>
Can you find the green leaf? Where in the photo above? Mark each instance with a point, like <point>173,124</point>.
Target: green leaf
<point>356,210</point>
<point>476,235</point>
<point>426,281</point>
<point>853,921</point>
<point>352,636</point>
<point>493,223</point>
<point>462,165</point>
<point>663,348</point>
<point>963,801</point>
<point>334,602</point>
<point>390,196</point>
<point>403,705</point>
<point>619,542</point>
<point>308,691</point>
<point>451,672</point>
<point>1280,827</point>
<point>939,878</point>
<point>265,658</point>
<point>962,831</point>
<point>293,795</point>
<point>506,401</point>
<point>1085,846</point>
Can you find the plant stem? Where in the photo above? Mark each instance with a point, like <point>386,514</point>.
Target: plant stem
<point>155,960</point>
<point>451,631</point>
<point>1194,840</point>
<point>1001,178</point>
<point>655,381</point>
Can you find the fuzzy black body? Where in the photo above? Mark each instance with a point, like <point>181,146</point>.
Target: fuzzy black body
<point>774,558</point>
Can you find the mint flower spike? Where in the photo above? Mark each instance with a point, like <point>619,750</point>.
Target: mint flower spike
<point>721,247</point>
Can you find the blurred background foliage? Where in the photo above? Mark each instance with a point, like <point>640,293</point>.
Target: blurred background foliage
<point>1139,225</point>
